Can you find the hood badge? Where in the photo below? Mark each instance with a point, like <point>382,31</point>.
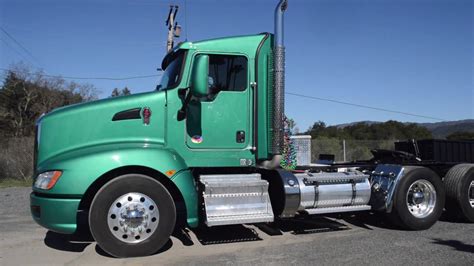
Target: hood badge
<point>146,114</point>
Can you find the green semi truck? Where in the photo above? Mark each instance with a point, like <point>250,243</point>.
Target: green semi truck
<point>204,150</point>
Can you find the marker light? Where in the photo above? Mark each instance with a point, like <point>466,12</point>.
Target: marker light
<point>47,180</point>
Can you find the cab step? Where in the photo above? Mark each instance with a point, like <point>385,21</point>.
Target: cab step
<point>236,199</point>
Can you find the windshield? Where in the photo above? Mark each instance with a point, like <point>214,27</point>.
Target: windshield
<point>172,72</point>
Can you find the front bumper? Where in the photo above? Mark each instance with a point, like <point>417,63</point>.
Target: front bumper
<point>55,214</point>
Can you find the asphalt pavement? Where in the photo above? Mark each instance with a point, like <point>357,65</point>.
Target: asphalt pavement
<point>355,239</point>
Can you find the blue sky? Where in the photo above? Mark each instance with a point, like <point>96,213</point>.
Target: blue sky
<point>414,56</point>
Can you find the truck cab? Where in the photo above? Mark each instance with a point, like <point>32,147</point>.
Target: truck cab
<point>165,133</point>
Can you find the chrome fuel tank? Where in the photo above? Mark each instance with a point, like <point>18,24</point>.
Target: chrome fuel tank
<point>333,190</point>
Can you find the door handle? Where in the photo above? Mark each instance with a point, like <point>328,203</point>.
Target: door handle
<point>240,136</point>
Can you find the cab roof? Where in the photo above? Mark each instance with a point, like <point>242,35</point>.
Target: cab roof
<point>246,44</point>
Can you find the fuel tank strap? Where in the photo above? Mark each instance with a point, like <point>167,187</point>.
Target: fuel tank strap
<point>354,192</point>
<point>316,195</point>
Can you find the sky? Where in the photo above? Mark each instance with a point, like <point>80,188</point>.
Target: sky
<point>411,56</point>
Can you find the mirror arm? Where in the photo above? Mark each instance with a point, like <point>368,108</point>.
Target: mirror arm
<point>182,111</point>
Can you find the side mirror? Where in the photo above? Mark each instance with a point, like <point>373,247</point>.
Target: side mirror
<point>199,76</point>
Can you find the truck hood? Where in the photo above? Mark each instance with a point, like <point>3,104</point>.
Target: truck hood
<point>108,121</point>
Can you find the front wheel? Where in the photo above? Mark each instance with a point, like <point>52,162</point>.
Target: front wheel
<point>132,215</point>
<point>419,199</point>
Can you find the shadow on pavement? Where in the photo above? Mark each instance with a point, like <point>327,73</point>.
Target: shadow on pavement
<point>79,241</point>
<point>225,234</point>
<point>242,233</point>
<point>101,252</point>
<point>452,218</point>
<point>182,234</point>
<point>302,225</point>
<point>458,245</point>
<point>367,219</point>
<point>72,243</point>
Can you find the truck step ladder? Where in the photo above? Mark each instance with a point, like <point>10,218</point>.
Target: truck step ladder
<point>236,199</point>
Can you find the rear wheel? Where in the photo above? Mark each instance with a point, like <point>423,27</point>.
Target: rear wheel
<point>132,215</point>
<point>419,199</point>
<point>459,183</point>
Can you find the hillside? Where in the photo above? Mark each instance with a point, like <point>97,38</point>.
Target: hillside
<point>438,129</point>
<point>443,129</point>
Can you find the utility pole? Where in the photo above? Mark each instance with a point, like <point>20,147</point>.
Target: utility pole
<point>174,30</point>
<point>344,149</point>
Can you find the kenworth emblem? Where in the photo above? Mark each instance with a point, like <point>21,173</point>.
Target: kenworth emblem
<point>146,114</point>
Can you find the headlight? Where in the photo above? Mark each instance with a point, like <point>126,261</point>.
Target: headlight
<point>47,180</point>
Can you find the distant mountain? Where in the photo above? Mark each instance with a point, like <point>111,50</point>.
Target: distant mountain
<point>443,129</point>
<point>367,122</point>
<point>439,129</point>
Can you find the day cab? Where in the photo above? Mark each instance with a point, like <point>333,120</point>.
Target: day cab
<point>205,113</point>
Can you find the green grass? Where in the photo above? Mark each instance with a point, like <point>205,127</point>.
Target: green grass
<point>12,182</point>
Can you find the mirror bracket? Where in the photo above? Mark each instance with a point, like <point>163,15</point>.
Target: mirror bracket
<point>182,111</point>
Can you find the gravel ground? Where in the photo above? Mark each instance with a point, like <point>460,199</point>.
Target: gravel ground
<point>350,239</point>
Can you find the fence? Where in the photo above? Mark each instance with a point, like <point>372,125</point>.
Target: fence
<point>309,150</point>
<point>348,150</point>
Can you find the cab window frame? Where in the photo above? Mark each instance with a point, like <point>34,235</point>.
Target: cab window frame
<point>247,72</point>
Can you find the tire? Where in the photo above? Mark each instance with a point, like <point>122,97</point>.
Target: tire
<point>406,213</point>
<point>132,215</point>
<point>459,183</point>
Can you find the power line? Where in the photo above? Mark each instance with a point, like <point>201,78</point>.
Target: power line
<point>289,93</point>
<point>91,78</point>
<point>363,106</point>
<point>19,44</point>
<point>16,51</point>
<point>59,76</point>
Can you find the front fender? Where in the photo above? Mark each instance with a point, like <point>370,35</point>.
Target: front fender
<point>83,166</point>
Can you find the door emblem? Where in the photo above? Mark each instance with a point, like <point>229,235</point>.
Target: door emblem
<point>196,139</point>
<point>146,114</point>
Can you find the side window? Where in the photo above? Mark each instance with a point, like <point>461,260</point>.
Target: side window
<point>227,73</point>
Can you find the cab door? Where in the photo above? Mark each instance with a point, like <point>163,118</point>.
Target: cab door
<point>221,120</point>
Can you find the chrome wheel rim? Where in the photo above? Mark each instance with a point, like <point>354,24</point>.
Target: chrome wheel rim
<point>421,198</point>
<point>133,217</point>
<point>470,194</point>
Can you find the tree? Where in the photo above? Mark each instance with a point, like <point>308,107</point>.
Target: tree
<point>24,96</point>
<point>361,138</point>
<point>117,92</point>
<point>126,91</point>
<point>389,130</point>
<point>317,129</point>
<point>16,102</point>
<point>461,135</point>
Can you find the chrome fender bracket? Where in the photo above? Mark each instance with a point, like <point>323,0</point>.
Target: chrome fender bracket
<point>384,181</point>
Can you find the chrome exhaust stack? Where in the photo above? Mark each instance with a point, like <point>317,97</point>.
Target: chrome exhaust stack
<point>279,79</point>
